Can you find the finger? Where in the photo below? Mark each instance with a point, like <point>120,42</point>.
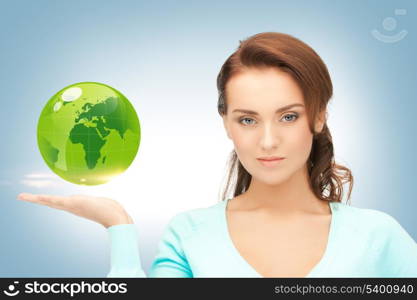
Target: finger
<point>31,198</point>
<point>28,197</point>
<point>50,200</point>
<point>22,196</point>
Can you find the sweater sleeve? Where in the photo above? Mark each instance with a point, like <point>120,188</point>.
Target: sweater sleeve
<point>124,252</point>
<point>399,254</point>
<point>170,260</point>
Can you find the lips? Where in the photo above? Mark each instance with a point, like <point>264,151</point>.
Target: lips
<point>271,158</point>
<point>270,162</point>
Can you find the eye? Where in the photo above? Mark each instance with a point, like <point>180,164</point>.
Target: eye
<point>242,119</point>
<point>292,115</point>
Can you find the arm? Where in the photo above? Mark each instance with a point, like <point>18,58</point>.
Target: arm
<point>125,260</point>
<point>169,261</point>
<point>124,252</point>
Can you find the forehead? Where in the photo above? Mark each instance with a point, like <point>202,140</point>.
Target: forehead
<point>266,86</point>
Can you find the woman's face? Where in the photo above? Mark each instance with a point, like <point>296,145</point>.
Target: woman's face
<point>268,133</point>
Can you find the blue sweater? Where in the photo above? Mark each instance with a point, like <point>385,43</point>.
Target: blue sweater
<point>196,243</point>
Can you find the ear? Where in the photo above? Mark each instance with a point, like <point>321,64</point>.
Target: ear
<point>226,127</point>
<point>320,121</point>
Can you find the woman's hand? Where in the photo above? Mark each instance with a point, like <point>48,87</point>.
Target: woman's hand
<point>104,211</point>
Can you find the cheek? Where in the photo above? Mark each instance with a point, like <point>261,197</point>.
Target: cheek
<point>300,143</point>
<point>241,139</point>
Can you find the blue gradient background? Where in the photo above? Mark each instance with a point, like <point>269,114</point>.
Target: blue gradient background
<point>164,56</point>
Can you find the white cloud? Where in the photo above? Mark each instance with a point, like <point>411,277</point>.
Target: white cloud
<point>40,180</point>
<point>39,183</point>
<point>41,175</point>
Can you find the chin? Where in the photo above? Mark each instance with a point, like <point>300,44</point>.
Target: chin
<point>272,179</point>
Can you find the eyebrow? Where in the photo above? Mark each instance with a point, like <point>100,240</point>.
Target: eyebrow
<point>251,112</point>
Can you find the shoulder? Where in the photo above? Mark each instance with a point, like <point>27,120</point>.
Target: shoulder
<point>360,214</point>
<point>189,221</point>
<point>368,219</point>
<point>379,234</point>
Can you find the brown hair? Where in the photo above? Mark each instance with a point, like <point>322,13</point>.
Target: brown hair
<point>289,54</point>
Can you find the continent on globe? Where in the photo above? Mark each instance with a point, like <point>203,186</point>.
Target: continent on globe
<point>88,133</point>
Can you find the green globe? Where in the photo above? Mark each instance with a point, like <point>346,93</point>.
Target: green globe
<point>88,133</point>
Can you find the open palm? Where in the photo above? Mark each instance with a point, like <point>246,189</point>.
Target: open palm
<point>105,211</point>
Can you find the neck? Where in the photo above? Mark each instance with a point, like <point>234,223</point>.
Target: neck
<point>286,198</point>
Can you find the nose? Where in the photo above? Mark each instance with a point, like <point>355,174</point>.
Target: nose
<point>269,137</point>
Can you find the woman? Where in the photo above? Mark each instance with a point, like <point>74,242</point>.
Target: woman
<point>286,218</point>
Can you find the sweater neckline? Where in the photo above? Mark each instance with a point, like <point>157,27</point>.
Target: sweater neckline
<point>321,265</point>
